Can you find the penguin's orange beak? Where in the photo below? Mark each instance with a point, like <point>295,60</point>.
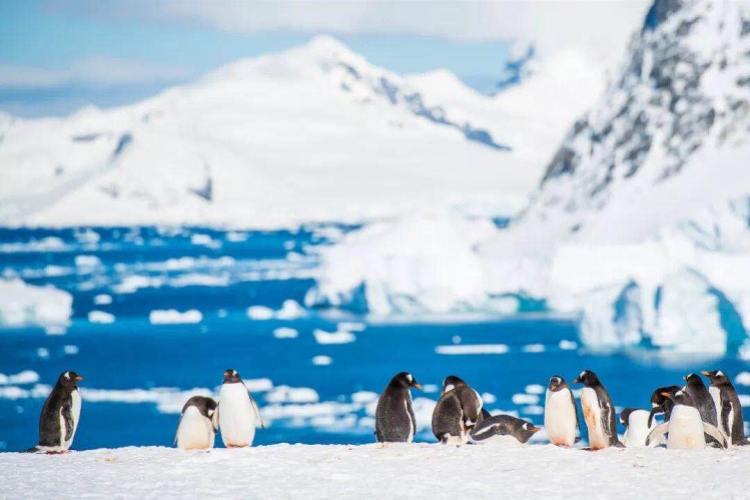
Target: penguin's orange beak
<point>535,429</point>
<point>78,377</point>
<point>418,386</point>
<point>705,373</point>
<point>666,394</point>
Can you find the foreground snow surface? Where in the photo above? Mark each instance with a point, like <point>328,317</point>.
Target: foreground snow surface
<point>372,471</point>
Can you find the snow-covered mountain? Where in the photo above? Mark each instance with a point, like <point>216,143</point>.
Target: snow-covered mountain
<point>667,139</point>
<point>313,133</point>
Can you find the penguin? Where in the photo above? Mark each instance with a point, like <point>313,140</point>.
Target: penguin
<point>561,413</point>
<point>237,412</point>
<point>728,407</point>
<point>502,429</point>
<point>637,427</point>
<point>598,412</point>
<point>457,411</point>
<point>661,405</point>
<point>685,427</point>
<point>394,416</point>
<point>60,415</point>
<point>198,424</point>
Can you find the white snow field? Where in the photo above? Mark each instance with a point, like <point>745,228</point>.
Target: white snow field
<point>373,471</point>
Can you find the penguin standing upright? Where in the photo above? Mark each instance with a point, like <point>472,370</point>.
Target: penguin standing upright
<point>502,429</point>
<point>661,405</point>
<point>728,407</point>
<point>60,415</point>
<point>598,412</point>
<point>637,427</point>
<point>237,412</point>
<point>685,428</point>
<point>394,416</point>
<point>457,411</point>
<point>560,413</point>
<point>701,397</point>
<point>198,424</point>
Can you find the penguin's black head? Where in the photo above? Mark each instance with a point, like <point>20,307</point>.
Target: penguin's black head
<point>658,398</point>
<point>526,430</point>
<point>717,377</point>
<point>694,380</point>
<point>69,379</point>
<point>231,377</point>
<point>587,378</point>
<point>405,380</point>
<point>451,382</point>
<point>625,415</point>
<point>557,383</point>
<point>206,406</point>
<point>679,397</point>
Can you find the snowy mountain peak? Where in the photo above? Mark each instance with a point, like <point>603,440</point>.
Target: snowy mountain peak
<point>327,46</point>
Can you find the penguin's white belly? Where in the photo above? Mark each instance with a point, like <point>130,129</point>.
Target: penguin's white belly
<point>75,411</point>
<point>638,429</point>
<point>407,401</point>
<point>505,441</point>
<point>236,415</point>
<point>195,431</point>
<point>685,429</point>
<point>592,413</point>
<point>560,418</point>
<point>716,396</point>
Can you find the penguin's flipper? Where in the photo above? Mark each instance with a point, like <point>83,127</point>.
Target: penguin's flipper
<point>651,416</point>
<point>715,433</point>
<point>610,424</point>
<point>215,419</point>
<point>657,434</point>
<point>575,406</point>
<point>257,413</point>
<point>724,424</point>
<point>67,417</point>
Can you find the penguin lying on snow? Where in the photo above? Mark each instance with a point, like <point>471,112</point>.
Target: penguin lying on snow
<point>560,413</point>
<point>238,413</point>
<point>685,428</point>
<point>661,405</point>
<point>60,415</point>
<point>198,424</point>
<point>500,428</point>
<point>728,408</point>
<point>637,427</point>
<point>457,411</point>
<point>394,416</point>
<point>598,412</point>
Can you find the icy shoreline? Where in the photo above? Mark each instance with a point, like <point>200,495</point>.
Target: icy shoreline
<point>370,471</point>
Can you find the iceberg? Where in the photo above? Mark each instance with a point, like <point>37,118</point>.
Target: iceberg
<point>23,305</point>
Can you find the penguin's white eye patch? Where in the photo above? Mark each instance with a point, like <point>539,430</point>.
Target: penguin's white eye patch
<point>409,377</point>
<point>679,393</point>
<point>654,405</point>
<point>719,373</point>
<point>449,387</point>
<point>234,372</point>
<point>210,413</point>
<point>525,427</point>
<point>67,375</point>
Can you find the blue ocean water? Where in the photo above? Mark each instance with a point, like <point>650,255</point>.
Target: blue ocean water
<point>132,363</point>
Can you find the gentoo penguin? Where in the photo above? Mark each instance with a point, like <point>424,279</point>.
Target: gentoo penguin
<point>661,405</point>
<point>598,412</point>
<point>457,411</point>
<point>60,415</point>
<point>198,424</point>
<point>637,427</point>
<point>237,412</point>
<point>501,429</point>
<point>728,407</point>
<point>701,397</point>
<point>685,428</point>
<point>394,417</point>
<point>560,413</point>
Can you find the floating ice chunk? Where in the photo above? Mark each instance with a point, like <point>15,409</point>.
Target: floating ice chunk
<point>535,389</point>
<point>568,345</point>
<point>285,333</point>
<point>102,299</point>
<point>533,410</point>
<point>236,236</point>
<point>21,378</point>
<point>290,310</point>
<point>742,378</point>
<point>86,261</point>
<point>430,388</point>
<point>173,316</point>
<point>101,317</point>
<point>533,348</point>
<point>203,239</point>
<point>337,337</point>
<point>322,360</point>
<point>258,384</point>
<point>260,312</point>
<point>489,398</point>
<point>70,349</point>
<point>472,349</point>
<point>42,353</point>
<point>352,326</point>
<point>286,394</point>
<point>364,397</point>
<point>27,305</point>
<point>525,399</point>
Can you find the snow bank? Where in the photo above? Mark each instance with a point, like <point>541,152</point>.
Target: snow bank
<point>26,305</point>
<point>173,316</point>
<point>423,471</point>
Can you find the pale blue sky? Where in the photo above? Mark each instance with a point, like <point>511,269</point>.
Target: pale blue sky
<point>58,56</point>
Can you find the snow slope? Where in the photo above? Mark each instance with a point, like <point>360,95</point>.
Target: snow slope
<point>313,133</point>
<point>372,471</point>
